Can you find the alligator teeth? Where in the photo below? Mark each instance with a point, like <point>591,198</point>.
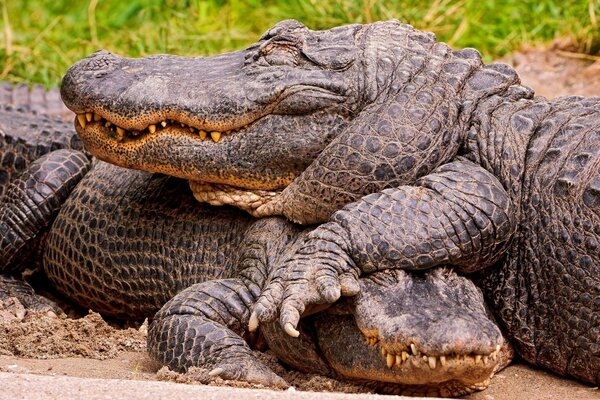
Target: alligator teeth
<point>97,117</point>
<point>404,356</point>
<point>497,348</point>
<point>163,123</point>
<point>383,352</point>
<point>413,348</point>
<point>477,358</point>
<point>443,361</point>
<point>399,359</point>
<point>203,135</point>
<point>432,362</point>
<point>107,124</point>
<point>81,119</point>
<point>216,136</point>
<point>88,116</point>
<point>152,128</point>
<point>390,359</point>
<point>120,132</point>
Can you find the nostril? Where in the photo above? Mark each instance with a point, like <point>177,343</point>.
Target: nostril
<point>99,63</point>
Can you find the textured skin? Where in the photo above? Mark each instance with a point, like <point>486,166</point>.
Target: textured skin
<point>526,204</point>
<point>35,99</point>
<point>125,241</point>
<point>26,136</point>
<point>33,200</point>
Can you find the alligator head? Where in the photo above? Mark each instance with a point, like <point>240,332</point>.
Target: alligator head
<point>293,125</point>
<point>252,119</point>
<point>429,334</point>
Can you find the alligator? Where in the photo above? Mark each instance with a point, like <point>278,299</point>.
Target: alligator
<point>395,144</point>
<point>124,242</point>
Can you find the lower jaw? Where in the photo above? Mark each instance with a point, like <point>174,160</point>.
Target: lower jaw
<point>452,388</point>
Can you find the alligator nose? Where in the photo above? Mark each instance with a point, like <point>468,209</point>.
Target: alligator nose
<point>76,81</point>
<point>96,64</point>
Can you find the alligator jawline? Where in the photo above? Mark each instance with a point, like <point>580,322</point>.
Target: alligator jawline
<point>120,134</point>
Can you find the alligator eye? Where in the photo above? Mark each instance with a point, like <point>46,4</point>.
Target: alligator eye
<point>281,55</point>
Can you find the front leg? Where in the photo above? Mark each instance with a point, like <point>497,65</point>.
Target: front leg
<point>203,325</point>
<point>459,215</point>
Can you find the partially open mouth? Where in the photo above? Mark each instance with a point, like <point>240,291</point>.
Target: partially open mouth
<point>416,357</point>
<point>121,134</point>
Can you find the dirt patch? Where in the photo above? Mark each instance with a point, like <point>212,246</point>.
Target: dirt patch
<point>557,71</point>
<point>39,335</point>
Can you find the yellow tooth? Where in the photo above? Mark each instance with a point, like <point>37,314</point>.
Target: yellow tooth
<point>120,131</point>
<point>163,123</point>
<point>152,128</point>
<point>191,129</point>
<point>485,360</point>
<point>432,362</point>
<point>404,356</point>
<point>413,348</point>
<point>97,117</point>
<point>390,359</point>
<point>398,359</point>
<point>443,361</point>
<point>216,136</point>
<point>202,134</point>
<point>88,116</point>
<point>494,355</point>
<point>383,352</point>
<point>425,358</point>
<point>477,358</point>
<point>107,124</point>
<point>497,347</point>
<point>81,119</point>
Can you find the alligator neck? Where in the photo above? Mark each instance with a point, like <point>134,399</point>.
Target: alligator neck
<point>499,119</point>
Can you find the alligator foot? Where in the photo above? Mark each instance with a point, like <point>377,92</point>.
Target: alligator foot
<point>203,326</point>
<point>17,298</point>
<point>319,273</point>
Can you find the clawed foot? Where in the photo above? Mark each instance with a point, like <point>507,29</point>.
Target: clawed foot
<point>245,368</point>
<point>318,273</point>
<point>17,297</point>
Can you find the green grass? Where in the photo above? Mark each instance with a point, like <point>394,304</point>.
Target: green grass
<point>40,39</point>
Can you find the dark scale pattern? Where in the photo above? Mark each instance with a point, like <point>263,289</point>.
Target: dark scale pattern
<point>415,124</point>
<point>125,242</point>
<point>26,136</point>
<point>34,99</point>
<point>206,325</point>
<point>33,200</point>
<point>547,292</point>
<point>458,215</point>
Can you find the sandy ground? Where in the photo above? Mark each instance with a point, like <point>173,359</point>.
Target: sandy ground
<point>48,357</point>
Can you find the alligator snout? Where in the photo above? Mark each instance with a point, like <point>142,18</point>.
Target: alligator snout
<point>81,76</point>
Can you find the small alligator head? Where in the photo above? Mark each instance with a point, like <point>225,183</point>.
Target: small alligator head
<point>252,119</point>
<point>429,334</point>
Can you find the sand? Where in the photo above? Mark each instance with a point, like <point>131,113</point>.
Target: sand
<point>45,356</point>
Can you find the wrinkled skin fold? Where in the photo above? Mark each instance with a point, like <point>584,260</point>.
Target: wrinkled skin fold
<point>433,158</point>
